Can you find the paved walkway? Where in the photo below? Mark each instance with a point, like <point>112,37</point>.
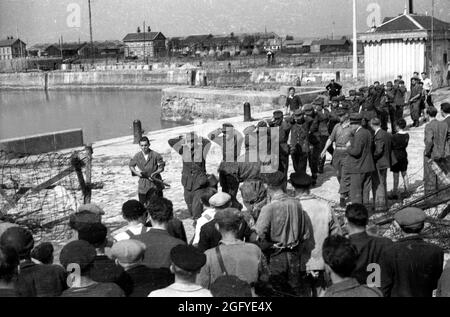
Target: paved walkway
<point>111,158</point>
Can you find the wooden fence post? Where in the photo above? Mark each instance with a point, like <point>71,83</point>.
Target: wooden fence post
<point>88,195</point>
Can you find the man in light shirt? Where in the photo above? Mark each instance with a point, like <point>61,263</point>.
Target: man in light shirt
<point>186,264</point>
<point>427,87</point>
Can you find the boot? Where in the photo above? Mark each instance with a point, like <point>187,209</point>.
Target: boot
<point>321,165</point>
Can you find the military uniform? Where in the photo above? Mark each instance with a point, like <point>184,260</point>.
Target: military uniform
<point>193,175</point>
<point>231,148</point>
<point>323,116</point>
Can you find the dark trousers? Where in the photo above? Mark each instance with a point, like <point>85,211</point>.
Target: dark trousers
<point>230,185</point>
<point>379,189</point>
<point>340,164</point>
<point>193,202</point>
<point>285,272</point>
<point>300,160</point>
<point>415,111</point>
<point>383,115</point>
<point>360,186</point>
<point>392,117</point>
<point>429,101</point>
<point>144,198</point>
<point>283,167</point>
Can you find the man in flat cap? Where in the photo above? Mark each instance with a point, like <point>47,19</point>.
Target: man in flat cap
<point>233,256</point>
<point>193,150</point>
<point>360,162</point>
<point>139,280</point>
<point>147,165</point>
<point>340,136</point>
<point>411,267</point>
<point>187,262</point>
<point>230,140</point>
<point>323,224</point>
<point>293,101</point>
<point>284,129</point>
<point>282,228</point>
<point>333,88</point>
<point>210,236</point>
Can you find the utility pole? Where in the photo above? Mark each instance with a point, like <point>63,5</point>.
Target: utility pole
<point>432,35</point>
<point>355,44</point>
<point>90,32</point>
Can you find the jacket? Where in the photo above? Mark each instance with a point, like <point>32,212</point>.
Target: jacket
<point>351,288</point>
<point>382,149</point>
<point>411,267</point>
<point>436,133</point>
<point>294,103</point>
<point>360,158</point>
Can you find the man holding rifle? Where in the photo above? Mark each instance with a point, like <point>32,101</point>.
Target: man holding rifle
<point>147,164</point>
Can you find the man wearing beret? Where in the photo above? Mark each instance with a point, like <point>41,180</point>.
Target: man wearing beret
<point>150,165</point>
<point>411,267</point>
<point>340,135</point>
<point>360,162</point>
<point>293,101</point>
<point>193,150</point>
<point>324,223</point>
<point>230,140</point>
<point>282,228</point>
<point>186,263</point>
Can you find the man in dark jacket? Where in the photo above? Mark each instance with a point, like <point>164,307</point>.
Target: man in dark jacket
<point>194,150</point>
<point>293,101</point>
<point>360,162</point>
<point>399,99</point>
<point>333,88</point>
<point>369,247</point>
<point>411,267</point>
<point>382,160</point>
<point>415,101</point>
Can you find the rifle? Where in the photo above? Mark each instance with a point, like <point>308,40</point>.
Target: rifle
<point>153,179</point>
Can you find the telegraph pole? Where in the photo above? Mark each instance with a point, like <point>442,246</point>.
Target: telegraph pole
<point>432,33</point>
<point>355,44</point>
<point>90,32</point>
<point>144,42</point>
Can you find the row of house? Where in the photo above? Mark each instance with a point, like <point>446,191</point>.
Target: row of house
<point>70,50</point>
<point>12,48</point>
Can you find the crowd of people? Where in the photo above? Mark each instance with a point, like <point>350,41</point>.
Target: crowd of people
<point>274,242</point>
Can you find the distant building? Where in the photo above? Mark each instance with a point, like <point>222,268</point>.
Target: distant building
<point>12,48</point>
<point>152,44</point>
<point>403,45</point>
<point>293,44</point>
<point>328,46</point>
<point>273,44</point>
<point>41,50</point>
<point>109,48</point>
<point>74,50</point>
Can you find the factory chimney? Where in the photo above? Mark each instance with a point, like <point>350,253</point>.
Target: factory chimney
<point>411,6</point>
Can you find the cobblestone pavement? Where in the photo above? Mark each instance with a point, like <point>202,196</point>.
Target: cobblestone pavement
<point>111,157</point>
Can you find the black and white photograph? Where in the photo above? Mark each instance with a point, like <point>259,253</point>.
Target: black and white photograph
<point>250,150</point>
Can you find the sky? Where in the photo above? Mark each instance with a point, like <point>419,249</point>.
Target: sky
<point>43,21</point>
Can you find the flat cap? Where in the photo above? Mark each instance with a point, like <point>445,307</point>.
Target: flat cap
<point>94,233</point>
<point>308,107</point>
<point>356,118</point>
<point>220,199</point>
<point>278,114</point>
<point>95,209</point>
<point>77,252</point>
<point>273,179</point>
<point>262,124</point>
<point>318,101</point>
<point>81,218</point>
<point>18,238</point>
<point>410,217</point>
<point>128,251</point>
<point>230,286</point>
<point>228,215</point>
<point>187,257</point>
<point>132,209</point>
<point>300,180</point>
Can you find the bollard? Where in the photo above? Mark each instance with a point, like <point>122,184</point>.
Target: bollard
<point>137,131</point>
<point>247,112</point>
<point>338,76</point>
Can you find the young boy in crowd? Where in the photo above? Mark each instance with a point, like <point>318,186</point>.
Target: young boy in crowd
<point>399,144</point>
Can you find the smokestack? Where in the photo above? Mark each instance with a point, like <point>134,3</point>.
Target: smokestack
<point>411,6</point>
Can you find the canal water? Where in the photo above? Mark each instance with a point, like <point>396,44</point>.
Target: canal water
<point>102,114</point>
